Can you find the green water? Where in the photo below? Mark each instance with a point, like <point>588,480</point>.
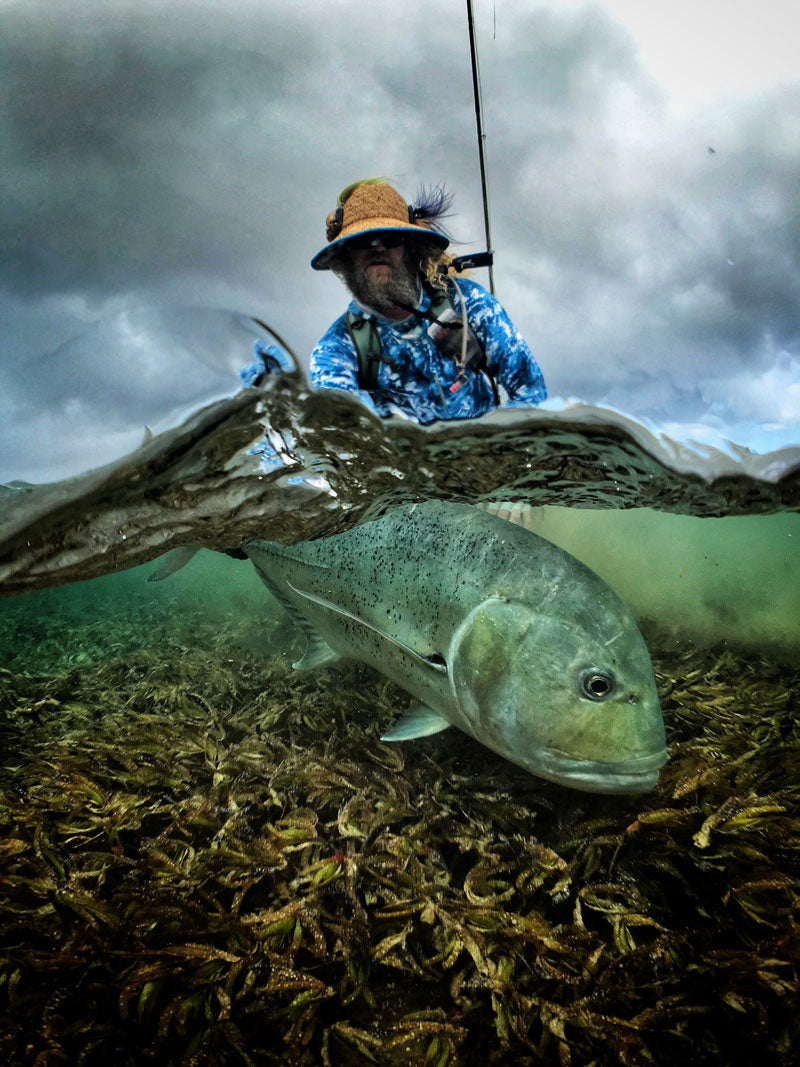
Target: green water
<point>113,616</point>
<point>710,581</point>
<point>706,581</point>
<point>206,857</point>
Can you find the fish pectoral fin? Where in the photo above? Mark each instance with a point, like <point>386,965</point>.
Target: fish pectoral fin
<point>419,721</point>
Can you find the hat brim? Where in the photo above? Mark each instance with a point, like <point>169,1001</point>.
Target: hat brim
<point>323,259</point>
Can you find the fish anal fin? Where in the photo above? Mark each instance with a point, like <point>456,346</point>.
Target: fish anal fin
<point>418,721</point>
<point>317,652</point>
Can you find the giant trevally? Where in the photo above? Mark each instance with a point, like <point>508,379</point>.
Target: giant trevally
<point>493,629</point>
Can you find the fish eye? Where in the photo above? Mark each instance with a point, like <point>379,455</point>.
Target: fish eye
<point>596,683</point>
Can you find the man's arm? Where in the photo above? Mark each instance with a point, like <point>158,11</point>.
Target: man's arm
<point>334,364</point>
<point>267,359</point>
<point>508,357</point>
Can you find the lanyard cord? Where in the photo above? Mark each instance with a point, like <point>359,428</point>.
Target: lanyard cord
<point>464,328</point>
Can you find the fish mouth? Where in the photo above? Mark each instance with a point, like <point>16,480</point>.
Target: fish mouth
<point>637,775</point>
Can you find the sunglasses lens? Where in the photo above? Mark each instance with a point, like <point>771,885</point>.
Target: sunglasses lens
<point>387,238</point>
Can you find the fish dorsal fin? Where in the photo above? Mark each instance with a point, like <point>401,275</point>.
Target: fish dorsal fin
<point>418,721</point>
<point>432,662</point>
<point>272,550</point>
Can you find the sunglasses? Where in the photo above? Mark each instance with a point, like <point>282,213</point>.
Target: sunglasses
<point>387,238</point>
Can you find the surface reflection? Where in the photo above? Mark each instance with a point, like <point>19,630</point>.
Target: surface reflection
<point>97,397</point>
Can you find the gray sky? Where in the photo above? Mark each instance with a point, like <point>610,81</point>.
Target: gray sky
<point>163,154</point>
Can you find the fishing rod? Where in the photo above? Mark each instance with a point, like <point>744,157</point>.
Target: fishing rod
<point>476,93</point>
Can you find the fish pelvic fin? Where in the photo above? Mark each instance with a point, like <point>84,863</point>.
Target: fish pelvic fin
<point>418,721</point>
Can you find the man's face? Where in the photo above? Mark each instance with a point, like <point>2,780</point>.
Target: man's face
<point>379,275</point>
<point>377,261</point>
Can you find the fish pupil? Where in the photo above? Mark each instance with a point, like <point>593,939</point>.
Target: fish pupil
<point>596,684</point>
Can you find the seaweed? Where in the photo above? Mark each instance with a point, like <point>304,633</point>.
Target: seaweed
<point>208,858</point>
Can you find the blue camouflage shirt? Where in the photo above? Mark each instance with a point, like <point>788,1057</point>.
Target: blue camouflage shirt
<point>417,383</point>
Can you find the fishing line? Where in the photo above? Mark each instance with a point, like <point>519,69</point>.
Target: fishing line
<point>476,92</point>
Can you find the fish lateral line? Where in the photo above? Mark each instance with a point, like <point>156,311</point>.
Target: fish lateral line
<point>435,661</point>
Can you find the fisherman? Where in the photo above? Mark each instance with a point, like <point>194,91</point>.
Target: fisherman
<point>415,340</point>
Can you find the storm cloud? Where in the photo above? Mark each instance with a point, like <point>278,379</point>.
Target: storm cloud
<point>159,154</point>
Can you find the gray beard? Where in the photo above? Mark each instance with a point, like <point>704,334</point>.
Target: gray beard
<point>399,289</point>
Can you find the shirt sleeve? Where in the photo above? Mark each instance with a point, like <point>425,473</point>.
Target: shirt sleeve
<point>267,359</point>
<point>508,357</point>
<point>334,364</point>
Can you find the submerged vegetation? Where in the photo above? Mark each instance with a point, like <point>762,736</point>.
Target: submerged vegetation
<point>206,858</point>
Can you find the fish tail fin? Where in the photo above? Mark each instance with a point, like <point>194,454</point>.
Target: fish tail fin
<point>173,561</point>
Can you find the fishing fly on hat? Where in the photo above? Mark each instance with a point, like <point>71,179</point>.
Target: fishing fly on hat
<point>373,206</point>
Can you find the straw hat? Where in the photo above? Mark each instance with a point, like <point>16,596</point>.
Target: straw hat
<point>372,205</point>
